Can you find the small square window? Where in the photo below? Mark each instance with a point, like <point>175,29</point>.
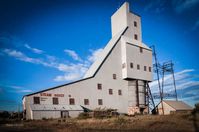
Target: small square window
<point>131,65</point>
<point>36,100</point>
<point>135,24</point>
<point>86,102</point>
<point>114,76</point>
<point>135,36</point>
<point>100,102</point>
<point>110,91</point>
<point>72,101</point>
<point>55,101</point>
<point>99,86</point>
<point>141,50</point>
<point>144,68</point>
<point>138,66</point>
<point>149,69</point>
<point>119,92</point>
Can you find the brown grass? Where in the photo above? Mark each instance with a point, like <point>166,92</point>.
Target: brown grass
<point>144,123</point>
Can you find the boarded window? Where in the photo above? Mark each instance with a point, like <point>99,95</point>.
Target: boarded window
<point>36,100</point>
<point>149,69</point>
<point>135,36</point>
<point>141,50</point>
<point>100,102</point>
<point>144,68</point>
<point>138,66</point>
<point>55,101</point>
<point>135,24</point>
<point>99,86</point>
<point>86,102</point>
<point>110,91</point>
<point>114,76</point>
<point>131,65</point>
<point>72,101</point>
<point>119,92</point>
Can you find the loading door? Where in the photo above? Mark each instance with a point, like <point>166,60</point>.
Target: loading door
<point>64,114</point>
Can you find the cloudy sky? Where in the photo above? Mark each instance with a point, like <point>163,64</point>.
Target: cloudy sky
<point>45,43</point>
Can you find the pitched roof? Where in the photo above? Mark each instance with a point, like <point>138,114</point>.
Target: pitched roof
<point>178,105</point>
<point>94,67</point>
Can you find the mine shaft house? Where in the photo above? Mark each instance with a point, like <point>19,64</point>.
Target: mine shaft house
<point>117,79</point>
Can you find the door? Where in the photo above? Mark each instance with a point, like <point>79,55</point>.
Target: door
<point>64,114</point>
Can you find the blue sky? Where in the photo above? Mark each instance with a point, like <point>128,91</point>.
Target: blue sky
<point>47,43</point>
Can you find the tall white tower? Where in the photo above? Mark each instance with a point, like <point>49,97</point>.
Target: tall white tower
<point>136,57</point>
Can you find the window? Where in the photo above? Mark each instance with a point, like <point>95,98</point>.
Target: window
<point>135,36</point>
<point>114,76</point>
<point>55,101</point>
<point>100,102</point>
<point>72,101</point>
<point>144,68</point>
<point>110,91</point>
<point>135,24</point>
<point>36,100</point>
<point>119,92</point>
<point>141,50</point>
<point>149,69</point>
<point>138,66</point>
<point>99,86</point>
<point>131,65</point>
<point>86,102</point>
<point>123,65</point>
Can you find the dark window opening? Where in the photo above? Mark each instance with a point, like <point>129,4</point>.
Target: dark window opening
<point>119,92</point>
<point>144,68</point>
<point>100,102</point>
<point>55,101</point>
<point>99,86</point>
<point>141,50</point>
<point>36,100</point>
<point>138,66</point>
<point>135,24</point>
<point>110,91</point>
<point>86,102</point>
<point>135,36</point>
<point>131,65</point>
<point>149,69</point>
<point>114,76</point>
<point>72,101</point>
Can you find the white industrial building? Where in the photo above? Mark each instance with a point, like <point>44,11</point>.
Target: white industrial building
<point>117,79</point>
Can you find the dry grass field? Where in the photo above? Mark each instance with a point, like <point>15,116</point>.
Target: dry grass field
<point>139,123</point>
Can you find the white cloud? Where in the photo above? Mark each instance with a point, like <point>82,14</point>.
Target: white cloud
<point>14,89</point>
<point>34,50</point>
<point>21,56</point>
<point>68,77</point>
<point>95,54</point>
<point>73,54</point>
<point>24,91</point>
<point>183,80</point>
<point>71,71</point>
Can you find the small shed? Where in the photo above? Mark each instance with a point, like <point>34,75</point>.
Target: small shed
<point>171,106</point>
<point>55,111</point>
